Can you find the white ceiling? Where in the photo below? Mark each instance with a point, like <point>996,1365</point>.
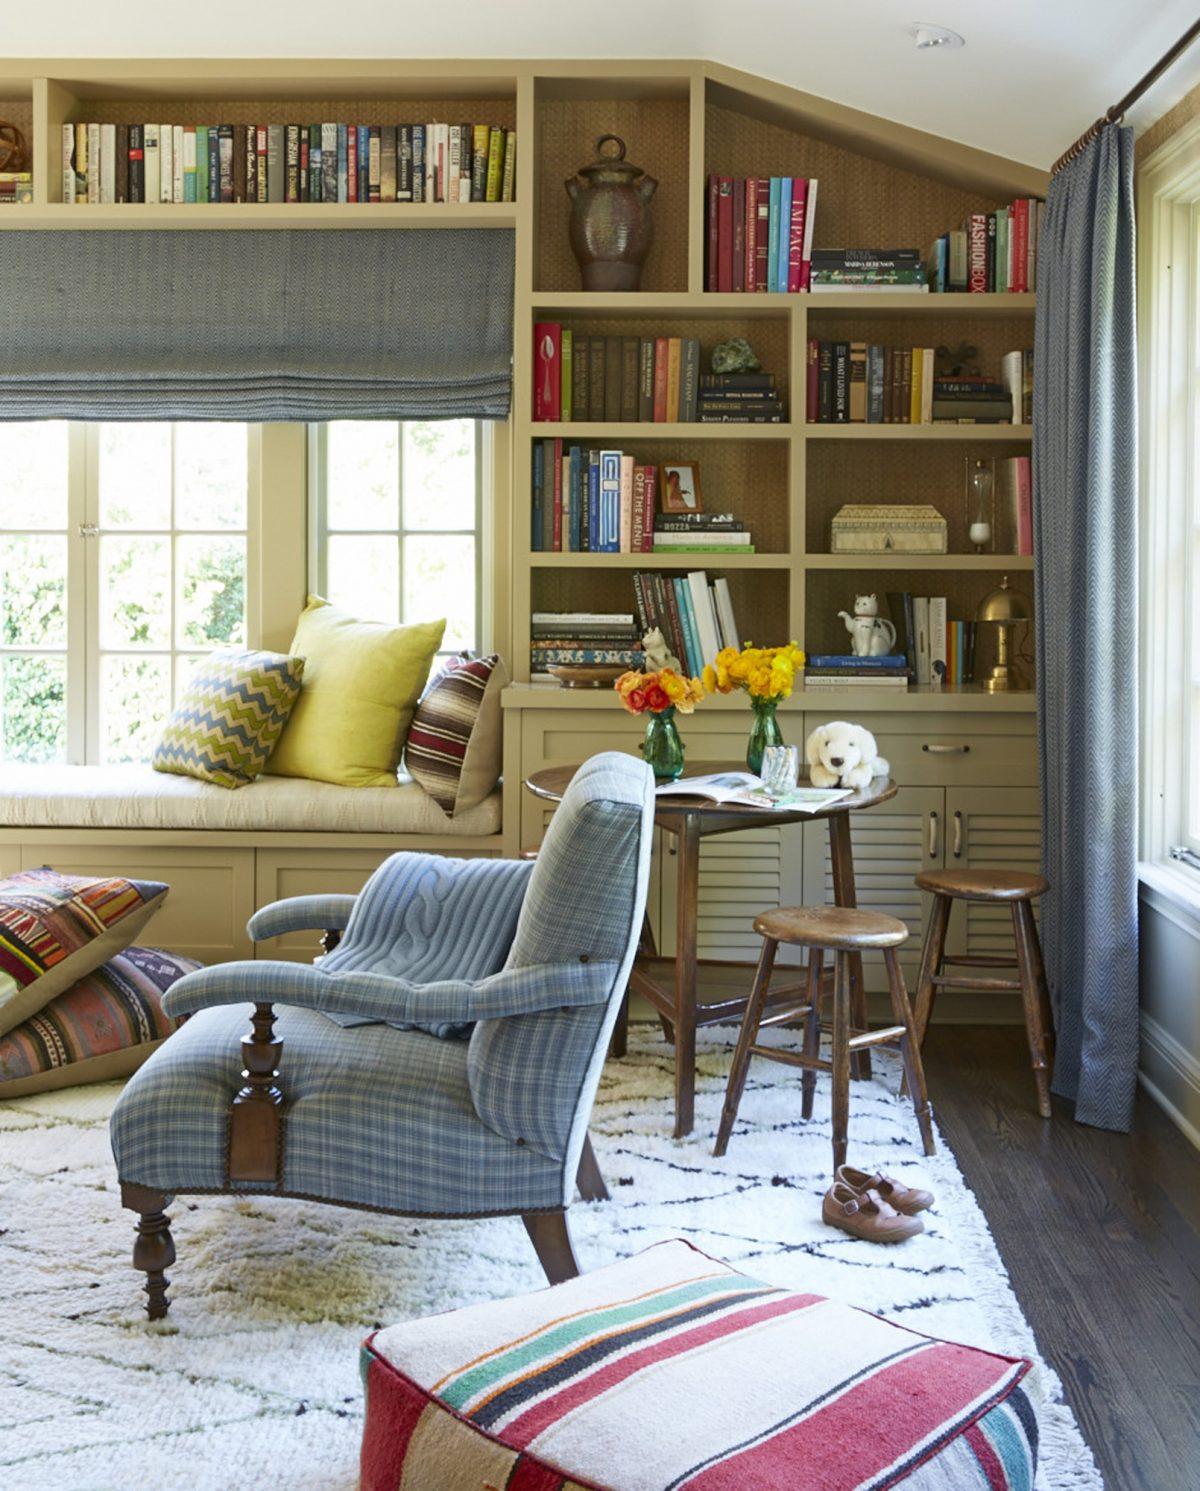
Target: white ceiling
<point>1033,75</point>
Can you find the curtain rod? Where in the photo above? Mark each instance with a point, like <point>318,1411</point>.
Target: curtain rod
<point>1118,110</point>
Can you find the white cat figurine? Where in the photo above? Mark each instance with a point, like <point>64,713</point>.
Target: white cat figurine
<point>871,635</point>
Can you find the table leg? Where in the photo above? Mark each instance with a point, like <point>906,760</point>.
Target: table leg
<point>841,859</point>
<point>687,897</point>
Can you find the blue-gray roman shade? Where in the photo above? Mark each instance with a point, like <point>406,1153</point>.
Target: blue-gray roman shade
<point>251,324</point>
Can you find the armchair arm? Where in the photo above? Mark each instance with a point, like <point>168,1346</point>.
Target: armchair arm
<point>512,991</point>
<point>301,914</point>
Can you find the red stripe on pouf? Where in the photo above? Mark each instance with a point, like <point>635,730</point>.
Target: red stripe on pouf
<point>989,1461</point>
<point>864,1430</point>
<point>393,1407</point>
<point>529,1476</point>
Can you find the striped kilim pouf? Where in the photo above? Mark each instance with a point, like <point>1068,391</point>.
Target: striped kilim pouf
<point>672,1370</point>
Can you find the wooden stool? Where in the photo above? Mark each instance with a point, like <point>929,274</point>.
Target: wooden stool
<point>846,932</point>
<point>998,887</point>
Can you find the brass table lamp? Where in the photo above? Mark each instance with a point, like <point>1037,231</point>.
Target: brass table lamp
<point>1003,608</point>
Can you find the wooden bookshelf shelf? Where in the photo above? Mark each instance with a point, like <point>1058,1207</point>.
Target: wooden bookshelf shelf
<point>989,434</point>
<point>660,561</point>
<point>886,303</point>
<point>223,215</point>
<point>948,562</point>
<point>609,433</point>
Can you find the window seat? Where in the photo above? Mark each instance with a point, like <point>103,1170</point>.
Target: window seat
<point>137,797</point>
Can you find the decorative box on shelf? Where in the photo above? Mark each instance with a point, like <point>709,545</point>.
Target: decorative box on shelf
<point>879,528</point>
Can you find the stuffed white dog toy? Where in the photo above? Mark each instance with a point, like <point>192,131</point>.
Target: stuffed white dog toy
<point>843,755</point>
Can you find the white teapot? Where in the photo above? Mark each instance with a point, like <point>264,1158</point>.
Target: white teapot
<point>871,635</point>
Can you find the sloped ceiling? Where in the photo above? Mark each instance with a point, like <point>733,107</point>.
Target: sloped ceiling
<point>1033,75</point>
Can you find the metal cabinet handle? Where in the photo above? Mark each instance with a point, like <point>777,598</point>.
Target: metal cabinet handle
<point>946,750</point>
<point>933,833</point>
<point>958,835</point>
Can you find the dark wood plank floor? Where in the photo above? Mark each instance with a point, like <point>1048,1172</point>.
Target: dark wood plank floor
<point>1101,1237</point>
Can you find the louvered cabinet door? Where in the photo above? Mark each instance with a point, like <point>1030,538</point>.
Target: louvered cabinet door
<point>891,844</point>
<point>993,828</point>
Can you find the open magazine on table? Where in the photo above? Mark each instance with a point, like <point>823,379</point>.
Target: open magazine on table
<point>747,790</point>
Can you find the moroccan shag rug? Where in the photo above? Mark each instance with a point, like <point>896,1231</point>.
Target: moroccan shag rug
<point>253,1380</point>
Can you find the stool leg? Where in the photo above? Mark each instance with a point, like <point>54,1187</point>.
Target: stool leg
<point>931,962</point>
<point>746,1038</point>
<point>910,1050</point>
<point>812,1029</point>
<point>841,1056</point>
<point>1025,935</point>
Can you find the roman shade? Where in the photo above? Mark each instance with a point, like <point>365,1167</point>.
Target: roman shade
<point>248,324</point>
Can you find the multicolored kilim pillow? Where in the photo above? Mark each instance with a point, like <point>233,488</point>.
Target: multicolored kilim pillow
<point>55,928</point>
<point>230,717</point>
<point>670,1370</point>
<point>454,741</point>
<point>103,1027</point>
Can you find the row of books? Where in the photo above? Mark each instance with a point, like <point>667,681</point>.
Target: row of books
<point>591,501</point>
<point>16,188</point>
<point>863,383</point>
<point>992,251</point>
<point>581,637</point>
<point>610,378</point>
<point>331,162</point>
<point>936,651</point>
<point>759,233</point>
<point>694,614</point>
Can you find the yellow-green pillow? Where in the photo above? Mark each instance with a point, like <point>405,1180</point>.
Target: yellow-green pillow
<point>362,680</point>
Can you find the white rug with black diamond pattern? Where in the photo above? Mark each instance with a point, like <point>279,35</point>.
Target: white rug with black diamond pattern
<point>253,1380</point>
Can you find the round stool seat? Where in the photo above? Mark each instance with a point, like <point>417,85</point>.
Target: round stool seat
<point>984,885</point>
<point>838,927</point>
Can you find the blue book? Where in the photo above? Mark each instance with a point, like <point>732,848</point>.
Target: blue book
<point>575,484</point>
<point>773,235</point>
<point>362,163</point>
<point>784,234</point>
<point>535,517</point>
<point>610,502</point>
<point>848,660</point>
<point>691,637</point>
<point>593,502</point>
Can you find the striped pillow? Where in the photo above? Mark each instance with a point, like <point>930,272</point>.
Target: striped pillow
<point>230,716</point>
<point>103,1027</point>
<point>55,928</point>
<point>670,1371</point>
<point>454,741</point>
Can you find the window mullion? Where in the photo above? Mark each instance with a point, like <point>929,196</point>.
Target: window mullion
<point>83,611</point>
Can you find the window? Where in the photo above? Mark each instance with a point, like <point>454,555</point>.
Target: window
<point>395,530</point>
<point>123,559</point>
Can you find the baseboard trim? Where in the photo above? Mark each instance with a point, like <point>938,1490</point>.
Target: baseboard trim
<point>1170,1075</point>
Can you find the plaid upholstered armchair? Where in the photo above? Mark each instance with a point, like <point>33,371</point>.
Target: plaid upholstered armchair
<point>440,1062</point>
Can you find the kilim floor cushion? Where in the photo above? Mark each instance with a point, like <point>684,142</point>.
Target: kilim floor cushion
<point>671,1370</point>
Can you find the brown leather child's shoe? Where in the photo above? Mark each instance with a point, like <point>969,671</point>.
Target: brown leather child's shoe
<point>906,1199</point>
<point>867,1216</point>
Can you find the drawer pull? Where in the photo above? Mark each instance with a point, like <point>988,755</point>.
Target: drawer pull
<point>933,834</point>
<point>958,835</point>
<point>946,750</point>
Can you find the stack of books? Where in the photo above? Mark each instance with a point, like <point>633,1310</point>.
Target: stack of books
<point>16,188</point>
<point>579,637</point>
<point>739,398</point>
<point>606,379</point>
<point>330,162</point>
<point>591,501</point>
<point>694,614</point>
<point>701,533</point>
<point>896,269</point>
<point>937,652</point>
<point>971,399</point>
<point>992,251</point>
<point>760,233</point>
<point>837,670</point>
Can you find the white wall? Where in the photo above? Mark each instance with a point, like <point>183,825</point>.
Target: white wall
<point>1170,1068</point>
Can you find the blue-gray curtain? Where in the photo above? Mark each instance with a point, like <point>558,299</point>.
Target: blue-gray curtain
<point>257,324</point>
<point>1085,527</point>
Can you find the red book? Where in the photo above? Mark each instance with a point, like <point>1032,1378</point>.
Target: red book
<point>557,526</point>
<point>1024,506</point>
<point>813,385</point>
<point>763,245</point>
<point>661,355</point>
<point>751,270</point>
<point>1019,228</point>
<point>739,234</point>
<point>352,164</point>
<point>725,234</point>
<point>651,497</point>
<point>810,219</point>
<point>796,233</point>
<point>710,277</point>
<point>977,254</point>
<point>547,370</point>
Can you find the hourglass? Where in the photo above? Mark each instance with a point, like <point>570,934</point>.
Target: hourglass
<point>980,501</point>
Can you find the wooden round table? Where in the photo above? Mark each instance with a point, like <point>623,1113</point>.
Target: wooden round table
<point>690,819</point>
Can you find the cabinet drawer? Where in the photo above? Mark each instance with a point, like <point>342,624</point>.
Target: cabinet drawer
<point>956,751</point>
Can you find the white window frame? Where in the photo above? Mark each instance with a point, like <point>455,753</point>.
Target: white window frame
<point>319,531</point>
<point>1169,315</point>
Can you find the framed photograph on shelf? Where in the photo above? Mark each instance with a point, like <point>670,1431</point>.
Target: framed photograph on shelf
<point>679,484</point>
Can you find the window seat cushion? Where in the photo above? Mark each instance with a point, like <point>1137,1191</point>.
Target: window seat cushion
<point>137,796</point>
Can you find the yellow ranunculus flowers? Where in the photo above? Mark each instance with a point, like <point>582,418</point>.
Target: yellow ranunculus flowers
<point>763,672</point>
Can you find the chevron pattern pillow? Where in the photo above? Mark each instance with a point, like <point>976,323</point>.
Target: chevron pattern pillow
<point>230,717</point>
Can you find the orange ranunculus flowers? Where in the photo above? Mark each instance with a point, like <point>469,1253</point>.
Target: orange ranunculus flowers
<point>655,692</point>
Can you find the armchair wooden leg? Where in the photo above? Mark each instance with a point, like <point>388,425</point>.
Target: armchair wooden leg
<point>552,1243</point>
<point>589,1179</point>
<point>153,1247</point>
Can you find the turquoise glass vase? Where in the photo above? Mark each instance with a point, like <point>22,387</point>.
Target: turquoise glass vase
<point>764,732</point>
<point>662,747</point>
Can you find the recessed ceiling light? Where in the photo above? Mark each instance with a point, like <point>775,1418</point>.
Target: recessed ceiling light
<point>927,37</point>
